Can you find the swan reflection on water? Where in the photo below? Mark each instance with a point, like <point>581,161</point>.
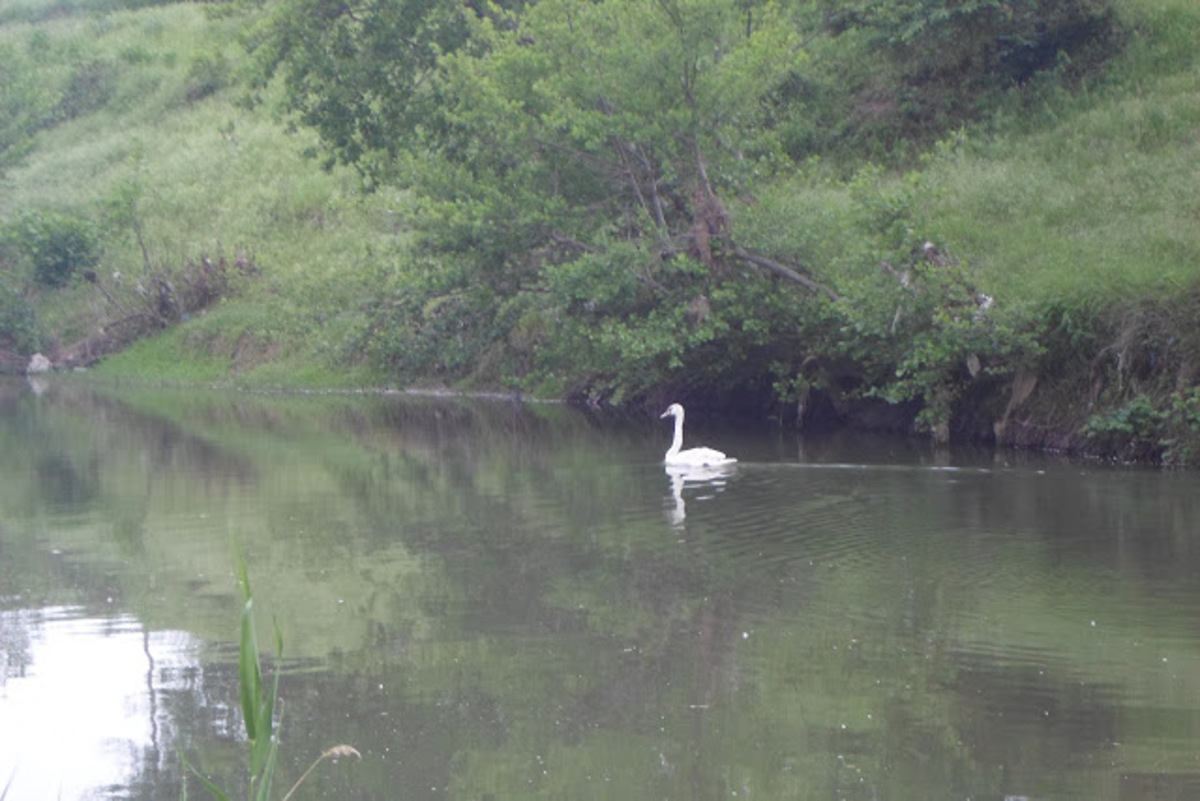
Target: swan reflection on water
<point>712,478</point>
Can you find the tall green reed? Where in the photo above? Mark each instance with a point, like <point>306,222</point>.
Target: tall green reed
<point>258,713</point>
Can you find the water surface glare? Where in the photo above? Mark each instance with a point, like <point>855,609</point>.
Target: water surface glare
<point>499,601</point>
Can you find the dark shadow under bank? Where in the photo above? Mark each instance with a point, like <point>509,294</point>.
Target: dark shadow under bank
<point>985,417</point>
<point>973,424</point>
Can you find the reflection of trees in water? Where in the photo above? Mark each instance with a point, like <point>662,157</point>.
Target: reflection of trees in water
<point>1136,521</point>
<point>164,444</point>
<point>84,434</point>
<point>557,609</point>
<point>1031,719</point>
<point>317,709</point>
<point>199,717</point>
<point>63,484</point>
<point>544,556</point>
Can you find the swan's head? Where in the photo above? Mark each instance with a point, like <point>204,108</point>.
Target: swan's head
<point>674,410</point>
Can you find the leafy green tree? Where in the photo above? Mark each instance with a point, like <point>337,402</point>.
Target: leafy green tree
<point>571,162</point>
<point>362,72</point>
<point>589,185</point>
<point>56,245</point>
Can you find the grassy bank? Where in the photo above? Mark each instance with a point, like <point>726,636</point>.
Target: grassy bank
<point>171,169</point>
<point>224,253</point>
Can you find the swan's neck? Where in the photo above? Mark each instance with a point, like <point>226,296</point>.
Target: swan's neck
<point>677,442</point>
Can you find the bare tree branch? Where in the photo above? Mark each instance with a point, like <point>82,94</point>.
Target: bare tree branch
<point>785,272</point>
<point>569,242</point>
<point>653,207</point>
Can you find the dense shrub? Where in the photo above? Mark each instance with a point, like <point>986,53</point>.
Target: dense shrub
<point>207,75</point>
<point>1002,41</point>
<point>55,245</point>
<point>947,59</point>
<point>19,329</point>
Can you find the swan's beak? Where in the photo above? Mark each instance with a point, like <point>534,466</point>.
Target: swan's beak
<point>667,413</point>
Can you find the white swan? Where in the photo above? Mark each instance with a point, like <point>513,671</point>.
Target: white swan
<point>692,457</point>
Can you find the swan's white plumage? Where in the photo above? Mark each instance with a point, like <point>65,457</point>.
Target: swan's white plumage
<point>692,457</point>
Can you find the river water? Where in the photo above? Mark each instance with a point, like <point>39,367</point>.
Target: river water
<point>489,600</point>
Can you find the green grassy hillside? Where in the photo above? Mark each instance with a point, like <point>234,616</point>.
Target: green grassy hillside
<point>170,156</point>
<point>220,249</point>
<point>1093,195</point>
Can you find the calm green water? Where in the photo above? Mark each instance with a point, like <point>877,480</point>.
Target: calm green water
<point>491,601</point>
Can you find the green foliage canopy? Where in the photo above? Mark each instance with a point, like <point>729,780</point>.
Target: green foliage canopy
<point>590,181</point>
<point>20,331</point>
<point>362,73</point>
<point>56,245</point>
<point>570,160</point>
